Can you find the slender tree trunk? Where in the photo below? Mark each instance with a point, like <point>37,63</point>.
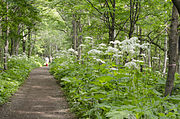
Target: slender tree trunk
<point>165,56</point>
<point>135,7</point>
<point>179,55</point>
<point>131,19</point>
<point>17,41</point>
<point>112,24</point>
<point>80,41</point>
<point>141,50</point>
<point>173,39</point>
<point>12,47</point>
<point>149,56</point>
<point>74,22</point>
<point>6,43</point>
<point>29,42</point>
<point>24,43</point>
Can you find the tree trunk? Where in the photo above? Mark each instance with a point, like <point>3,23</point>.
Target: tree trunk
<point>135,7</point>
<point>112,24</point>
<point>177,4</point>
<point>165,55</point>
<point>80,41</point>
<point>29,42</point>
<point>24,43</point>
<point>173,38</point>
<point>5,36</point>
<point>179,55</point>
<point>12,46</point>
<point>149,56</point>
<point>17,41</point>
<point>74,22</point>
<point>141,50</point>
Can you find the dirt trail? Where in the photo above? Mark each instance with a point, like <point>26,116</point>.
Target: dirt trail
<point>39,98</point>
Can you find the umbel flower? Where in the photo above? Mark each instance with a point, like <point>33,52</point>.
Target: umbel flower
<point>72,51</point>
<point>95,51</point>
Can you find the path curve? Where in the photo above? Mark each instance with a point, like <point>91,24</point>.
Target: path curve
<point>40,97</point>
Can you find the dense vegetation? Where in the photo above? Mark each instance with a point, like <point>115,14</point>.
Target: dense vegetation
<point>100,86</point>
<point>114,58</point>
<point>18,70</point>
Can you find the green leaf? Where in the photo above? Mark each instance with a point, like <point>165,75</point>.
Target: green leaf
<point>118,114</point>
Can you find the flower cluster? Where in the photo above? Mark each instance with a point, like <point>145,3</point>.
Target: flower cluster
<point>95,51</point>
<point>72,51</point>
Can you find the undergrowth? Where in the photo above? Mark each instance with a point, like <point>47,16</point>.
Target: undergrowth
<point>18,70</point>
<point>101,86</point>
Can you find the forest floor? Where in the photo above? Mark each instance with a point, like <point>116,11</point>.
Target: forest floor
<point>40,97</point>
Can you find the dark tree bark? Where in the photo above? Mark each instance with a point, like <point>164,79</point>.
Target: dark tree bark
<point>12,47</point>
<point>24,41</point>
<point>173,41</point>
<point>177,4</point>
<point>135,7</point>
<point>24,45</point>
<point>111,20</point>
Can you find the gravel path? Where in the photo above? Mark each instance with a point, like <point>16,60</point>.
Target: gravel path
<point>39,98</point>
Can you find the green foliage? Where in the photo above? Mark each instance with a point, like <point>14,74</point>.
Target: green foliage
<point>99,90</point>
<point>19,68</point>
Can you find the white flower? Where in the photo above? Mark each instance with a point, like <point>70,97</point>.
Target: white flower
<point>115,42</point>
<point>76,52</point>
<point>95,51</point>
<point>114,69</point>
<point>116,55</point>
<point>102,45</point>
<point>99,60</point>
<point>82,45</point>
<point>138,61</point>
<point>88,37</point>
<point>144,55</point>
<point>72,51</point>
<point>131,64</point>
<point>144,45</point>
<point>156,58</point>
<point>112,50</point>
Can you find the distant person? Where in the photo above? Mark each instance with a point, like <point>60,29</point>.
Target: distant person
<point>47,61</point>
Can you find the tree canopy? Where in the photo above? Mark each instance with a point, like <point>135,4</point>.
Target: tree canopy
<point>100,49</point>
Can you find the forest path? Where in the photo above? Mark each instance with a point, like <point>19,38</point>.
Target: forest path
<point>40,97</point>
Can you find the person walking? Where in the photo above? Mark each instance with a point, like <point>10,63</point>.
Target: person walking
<point>47,61</point>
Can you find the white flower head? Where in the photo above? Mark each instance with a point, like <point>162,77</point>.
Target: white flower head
<point>88,37</point>
<point>131,64</point>
<point>117,56</point>
<point>82,45</point>
<point>113,69</point>
<point>102,45</point>
<point>112,50</point>
<point>143,55</point>
<point>137,61</point>
<point>72,51</point>
<point>116,42</point>
<point>95,51</point>
<point>99,60</point>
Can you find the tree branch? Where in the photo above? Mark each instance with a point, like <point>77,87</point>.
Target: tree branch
<point>94,6</point>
